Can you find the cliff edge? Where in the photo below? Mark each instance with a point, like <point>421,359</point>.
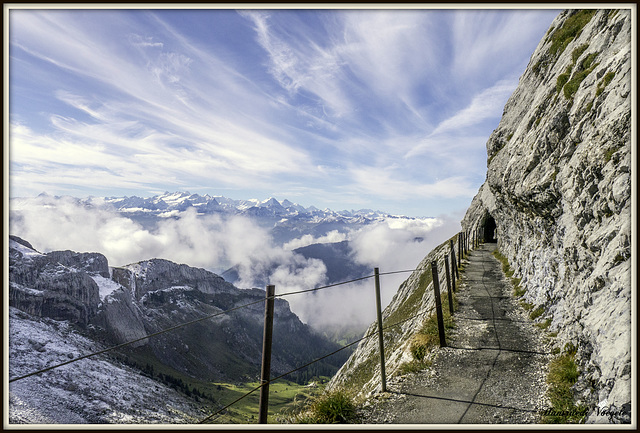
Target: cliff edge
<point>558,192</point>
<point>558,200</point>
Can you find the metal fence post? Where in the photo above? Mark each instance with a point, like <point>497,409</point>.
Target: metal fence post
<point>383,375</point>
<point>436,294</point>
<point>466,242</point>
<point>453,263</point>
<point>446,270</point>
<point>459,249</point>
<point>266,355</point>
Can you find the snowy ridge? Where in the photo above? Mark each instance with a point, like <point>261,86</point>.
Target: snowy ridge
<point>165,204</point>
<point>89,391</point>
<point>106,285</point>
<point>27,253</point>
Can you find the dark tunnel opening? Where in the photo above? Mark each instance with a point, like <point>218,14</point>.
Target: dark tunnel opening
<point>490,230</point>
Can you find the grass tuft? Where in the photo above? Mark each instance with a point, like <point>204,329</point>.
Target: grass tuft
<point>526,305</point>
<point>544,325</point>
<point>335,407</point>
<point>536,313</point>
<point>563,374</point>
<point>428,336</point>
<point>605,82</point>
<point>571,28</point>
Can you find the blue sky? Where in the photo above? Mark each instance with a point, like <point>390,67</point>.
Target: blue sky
<point>346,109</point>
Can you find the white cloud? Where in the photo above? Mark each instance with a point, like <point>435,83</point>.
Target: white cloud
<point>488,104</point>
<point>216,243</point>
<point>305,240</point>
<point>158,119</point>
<point>387,182</point>
<point>298,63</point>
<point>392,52</point>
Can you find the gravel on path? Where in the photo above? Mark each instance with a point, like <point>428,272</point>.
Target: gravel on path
<point>493,370</point>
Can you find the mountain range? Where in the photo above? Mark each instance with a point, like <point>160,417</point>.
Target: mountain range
<point>108,306</point>
<point>285,220</point>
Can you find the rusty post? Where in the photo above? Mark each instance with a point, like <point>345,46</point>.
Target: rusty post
<point>436,294</point>
<point>449,287</point>
<point>383,375</point>
<point>265,376</point>
<point>453,263</point>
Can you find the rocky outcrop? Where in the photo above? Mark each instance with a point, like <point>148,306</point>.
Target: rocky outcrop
<point>91,263</point>
<point>120,305</point>
<point>42,286</point>
<point>558,198</point>
<point>559,191</point>
<point>402,319</point>
<point>156,274</point>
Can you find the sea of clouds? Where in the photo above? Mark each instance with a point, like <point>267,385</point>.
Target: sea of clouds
<point>217,242</point>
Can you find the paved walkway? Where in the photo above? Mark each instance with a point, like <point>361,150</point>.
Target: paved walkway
<point>494,368</point>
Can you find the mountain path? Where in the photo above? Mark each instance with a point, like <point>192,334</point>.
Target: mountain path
<point>493,370</point>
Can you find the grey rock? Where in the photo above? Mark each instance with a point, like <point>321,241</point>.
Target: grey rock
<point>564,223</point>
<point>142,299</point>
<point>42,286</point>
<point>559,190</point>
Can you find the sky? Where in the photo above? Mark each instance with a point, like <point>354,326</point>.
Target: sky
<point>341,109</point>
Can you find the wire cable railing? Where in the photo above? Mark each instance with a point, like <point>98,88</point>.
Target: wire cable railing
<point>182,325</point>
<point>239,307</point>
<point>372,334</point>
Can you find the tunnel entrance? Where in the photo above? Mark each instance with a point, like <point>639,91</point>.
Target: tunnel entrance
<point>489,229</point>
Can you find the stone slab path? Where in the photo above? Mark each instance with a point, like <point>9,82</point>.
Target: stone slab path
<point>493,370</point>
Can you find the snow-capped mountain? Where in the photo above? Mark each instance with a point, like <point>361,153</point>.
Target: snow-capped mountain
<point>285,220</point>
<point>162,205</point>
<point>65,304</point>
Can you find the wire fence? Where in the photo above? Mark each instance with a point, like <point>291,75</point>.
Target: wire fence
<point>372,334</point>
<point>182,325</point>
<point>463,240</point>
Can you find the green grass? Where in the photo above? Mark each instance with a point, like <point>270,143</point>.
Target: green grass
<point>283,396</point>
<point>411,305</point>
<point>544,325</point>
<point>575,54</point>
<point>571,28</point>
<point>518,290</point>
<point>571,87</point>
<point>526,305</point>
<point>536,313</point>
<point>282,393</point>
<point>414,366</point>
<point>609,154</point>
<point>336,407</point>
<point>505,264</point>
<point>428,337</point>
<point>604,82</point>
<point>561,38</point>
<point>563,374</point>
<point>568,83</point>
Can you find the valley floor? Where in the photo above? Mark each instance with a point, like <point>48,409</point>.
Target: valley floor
<point>493,370</point>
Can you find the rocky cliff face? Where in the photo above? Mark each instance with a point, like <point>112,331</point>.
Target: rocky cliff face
<point>559,191</point>
<point>558,197</point>
<point>118,305</point>
<point>42,285</point>
<point>402,319</point>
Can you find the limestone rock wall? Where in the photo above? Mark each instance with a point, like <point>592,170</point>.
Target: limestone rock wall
<point>559,189</point>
